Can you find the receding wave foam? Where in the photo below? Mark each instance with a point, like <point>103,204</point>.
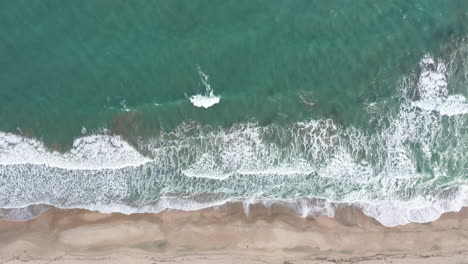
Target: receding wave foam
<point>204,100</point>
<point>410,168</point>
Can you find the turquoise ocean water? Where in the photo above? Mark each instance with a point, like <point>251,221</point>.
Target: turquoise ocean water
<point>146,105</point>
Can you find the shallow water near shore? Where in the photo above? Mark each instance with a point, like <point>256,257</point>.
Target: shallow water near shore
<point>173,105</point>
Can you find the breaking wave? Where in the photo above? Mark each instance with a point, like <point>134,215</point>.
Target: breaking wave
<point>204,100</point>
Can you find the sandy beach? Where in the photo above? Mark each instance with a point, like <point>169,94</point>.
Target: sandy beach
<point>227,235</point>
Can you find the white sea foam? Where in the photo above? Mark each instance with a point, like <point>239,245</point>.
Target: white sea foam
<point>91,152</point>
<point>420,209</point>
<point>299,167</point>
<point>302,207</point>
<point>204,100</point>
<point>243,150</point>
<point>432,86</point>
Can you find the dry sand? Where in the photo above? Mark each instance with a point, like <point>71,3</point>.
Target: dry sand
<point>226,235</point>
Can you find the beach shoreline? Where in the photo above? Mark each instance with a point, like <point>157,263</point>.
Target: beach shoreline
<point>227,235</point>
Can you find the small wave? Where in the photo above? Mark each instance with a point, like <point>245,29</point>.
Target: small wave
<point>123,106</point>
<point>204,100</point>
<point>307,98</point>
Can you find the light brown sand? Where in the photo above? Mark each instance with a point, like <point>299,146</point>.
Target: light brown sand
<point>228,236</point>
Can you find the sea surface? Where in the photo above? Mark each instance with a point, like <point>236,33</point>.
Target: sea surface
<point>143,106</point>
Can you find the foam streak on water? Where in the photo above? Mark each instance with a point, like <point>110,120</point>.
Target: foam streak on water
<point>412,168</point>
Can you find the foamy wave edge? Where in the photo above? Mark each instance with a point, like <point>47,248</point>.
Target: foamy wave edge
<point>205,101</point>
<point>387,213</point>
<point>87,153</point>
